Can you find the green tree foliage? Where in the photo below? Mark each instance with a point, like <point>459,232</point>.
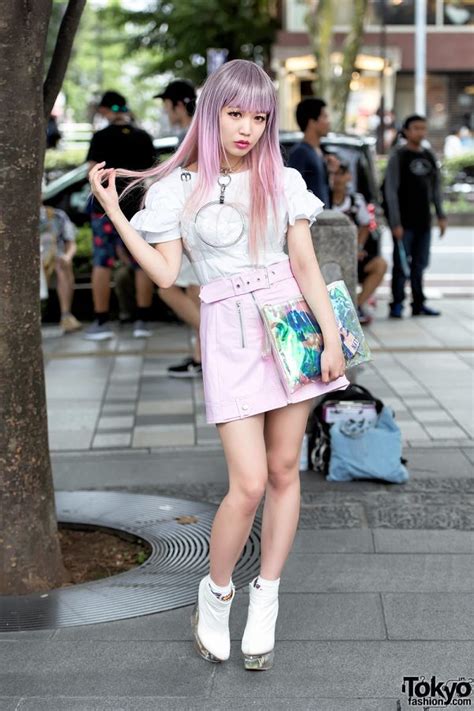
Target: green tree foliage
<point>176,34</point>
<point>100,61</point>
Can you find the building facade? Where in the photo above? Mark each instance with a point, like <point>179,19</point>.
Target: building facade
<point>386,62</point>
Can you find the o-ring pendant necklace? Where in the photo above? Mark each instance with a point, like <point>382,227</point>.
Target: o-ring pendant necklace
<point>217,223</point>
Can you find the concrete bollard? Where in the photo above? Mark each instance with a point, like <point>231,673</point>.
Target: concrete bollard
<point>335,243</point>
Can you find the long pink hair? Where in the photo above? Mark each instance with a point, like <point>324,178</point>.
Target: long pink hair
<point>244,85</point>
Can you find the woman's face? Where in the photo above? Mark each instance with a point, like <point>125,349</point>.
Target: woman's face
<point>240,130</point>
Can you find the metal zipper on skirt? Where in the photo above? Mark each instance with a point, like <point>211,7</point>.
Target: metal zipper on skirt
<point>241,321</point>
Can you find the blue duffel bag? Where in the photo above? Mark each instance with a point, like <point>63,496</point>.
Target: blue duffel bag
<point>373,452</point>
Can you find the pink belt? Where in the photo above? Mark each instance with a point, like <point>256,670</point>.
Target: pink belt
<point>245,282</point>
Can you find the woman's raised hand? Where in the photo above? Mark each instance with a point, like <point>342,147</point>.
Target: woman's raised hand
<point>107,196</point>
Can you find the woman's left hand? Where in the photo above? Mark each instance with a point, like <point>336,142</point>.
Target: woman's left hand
<point>332,363</point>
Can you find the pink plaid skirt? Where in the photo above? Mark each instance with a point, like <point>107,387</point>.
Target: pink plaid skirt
<point>240,375</point>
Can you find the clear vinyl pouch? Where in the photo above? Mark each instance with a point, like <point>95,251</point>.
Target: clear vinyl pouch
<point>297,341</point>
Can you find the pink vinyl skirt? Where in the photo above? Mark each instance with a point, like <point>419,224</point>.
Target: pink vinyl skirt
<point>240,375</point>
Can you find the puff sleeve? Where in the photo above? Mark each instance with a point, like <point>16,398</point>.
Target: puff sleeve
<point>159,220</point>
<point>301,203</point>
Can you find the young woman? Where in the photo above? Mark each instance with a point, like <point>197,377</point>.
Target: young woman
<point>227,200</point>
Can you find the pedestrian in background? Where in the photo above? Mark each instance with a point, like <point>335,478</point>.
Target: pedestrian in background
<point>243,206</point>
<point>124,145</point>
<point>371,267</point>
<point>412,184</point>
<point>179,101</point>
<point>58,247</point>
<point>307,157</point>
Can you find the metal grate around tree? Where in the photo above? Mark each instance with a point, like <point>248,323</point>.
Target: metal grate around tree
<point>178,532</point>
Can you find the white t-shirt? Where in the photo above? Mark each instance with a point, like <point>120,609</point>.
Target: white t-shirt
<point>163,220</point>
<point>357,209</point>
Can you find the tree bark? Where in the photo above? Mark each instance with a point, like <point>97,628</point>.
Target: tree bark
<point>62,53</point>
<point>332,88</point>
<point>320,23</point>
<point>31,557</point>
<point>351,48</point>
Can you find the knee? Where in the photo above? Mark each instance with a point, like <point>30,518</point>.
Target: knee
<point>282,469</point>
<point>249,493</point>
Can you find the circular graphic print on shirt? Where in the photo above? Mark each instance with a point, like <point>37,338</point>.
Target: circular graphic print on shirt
<point>421,166</point>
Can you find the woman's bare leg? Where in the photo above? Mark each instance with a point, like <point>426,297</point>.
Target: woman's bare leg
<point>284,431</point>
<point>244,449</point>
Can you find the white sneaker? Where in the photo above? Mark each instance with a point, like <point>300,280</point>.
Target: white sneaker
<point>258,640</point>
<point>141,330</point>
<point>210,622</point>
<point>98,332</point>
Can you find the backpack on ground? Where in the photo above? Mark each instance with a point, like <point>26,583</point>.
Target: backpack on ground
<point>356,403</point>
<point>352,435</point>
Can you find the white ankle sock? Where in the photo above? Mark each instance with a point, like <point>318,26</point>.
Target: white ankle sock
<point>268,584</point>
<point>220,590</point>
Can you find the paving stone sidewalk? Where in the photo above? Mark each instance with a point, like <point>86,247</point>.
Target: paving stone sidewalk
<point>123,398</point>
<point>379,585</point>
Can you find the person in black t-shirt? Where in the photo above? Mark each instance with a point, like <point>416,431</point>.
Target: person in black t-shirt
<point>412,184</point>
<point>121,145</point>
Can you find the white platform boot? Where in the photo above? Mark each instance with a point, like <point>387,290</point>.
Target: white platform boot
<point>258,641</point>
<point>210,623</point>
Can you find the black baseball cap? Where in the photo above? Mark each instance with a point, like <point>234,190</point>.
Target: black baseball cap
<point>179,90</point>
<point>114,101</point>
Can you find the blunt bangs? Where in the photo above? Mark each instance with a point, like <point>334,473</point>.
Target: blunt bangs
<point>248,88</point>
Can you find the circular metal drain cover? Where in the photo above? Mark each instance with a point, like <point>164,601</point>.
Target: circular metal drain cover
<point>167,580</point>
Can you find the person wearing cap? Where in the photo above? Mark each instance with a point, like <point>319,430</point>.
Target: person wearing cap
<point>121,145</point>
<point>179,102</point>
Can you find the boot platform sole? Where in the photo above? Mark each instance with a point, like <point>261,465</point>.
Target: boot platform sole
<point>200,648</point>
<point>259,662</point>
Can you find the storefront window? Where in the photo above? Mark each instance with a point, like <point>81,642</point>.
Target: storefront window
<point>458,12</point>
<point>398,12</point>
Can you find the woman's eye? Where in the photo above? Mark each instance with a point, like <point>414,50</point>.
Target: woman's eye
<point>261,119</point>
<point>234,113</point>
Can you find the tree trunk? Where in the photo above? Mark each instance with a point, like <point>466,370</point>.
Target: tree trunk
<point>61,54</point>
<point>31,558</point>
<point>332,88</point>
<point>320,23</point>
<point>350,51</point>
